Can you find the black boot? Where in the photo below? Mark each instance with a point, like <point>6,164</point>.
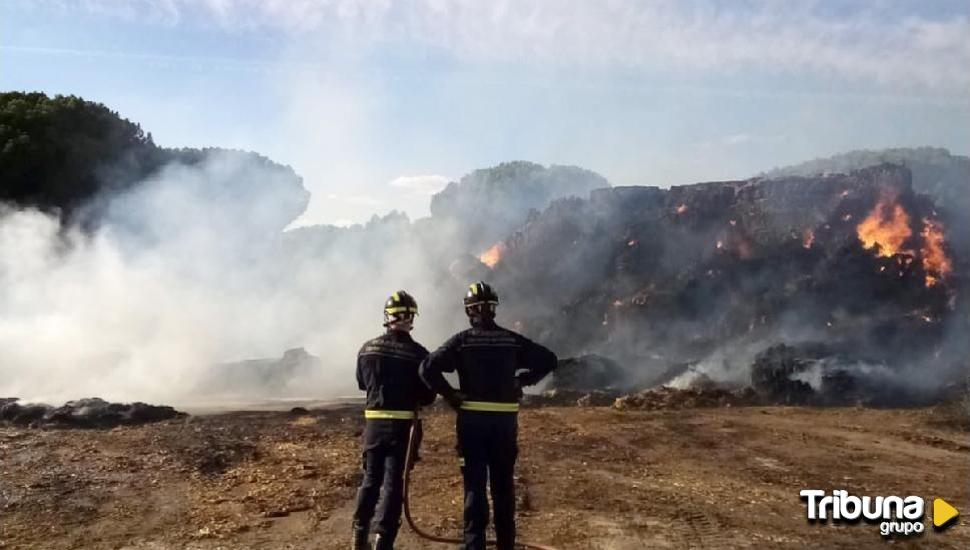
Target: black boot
<point>360,537</point>
<point>384,542</point>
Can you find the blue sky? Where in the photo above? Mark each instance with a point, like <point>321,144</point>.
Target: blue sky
<point>378,103</point>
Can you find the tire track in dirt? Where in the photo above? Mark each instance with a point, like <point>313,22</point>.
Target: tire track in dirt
<point>679,523</point>
<point>596,479</point>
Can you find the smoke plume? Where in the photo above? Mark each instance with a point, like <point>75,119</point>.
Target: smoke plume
<point>190,272</point>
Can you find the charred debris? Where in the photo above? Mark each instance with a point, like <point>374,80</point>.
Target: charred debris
<point>835,289</point>
<point>83,413</point>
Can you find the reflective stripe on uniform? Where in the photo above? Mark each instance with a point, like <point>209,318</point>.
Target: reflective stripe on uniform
<point>374,414</point>
<point>490,406</point>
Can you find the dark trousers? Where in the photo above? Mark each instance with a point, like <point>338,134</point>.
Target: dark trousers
<point>381,494</point>
<point>488,449</point>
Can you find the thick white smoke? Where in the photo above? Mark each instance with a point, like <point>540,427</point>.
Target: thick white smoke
<point>191,268</point>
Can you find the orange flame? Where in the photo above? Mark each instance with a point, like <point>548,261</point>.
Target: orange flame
<point>808,237</point>
<point>493,256</point>
<point>886,228</point>
<point>935,261</point>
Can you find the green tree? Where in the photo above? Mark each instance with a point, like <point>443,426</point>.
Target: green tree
<point>55,153</point>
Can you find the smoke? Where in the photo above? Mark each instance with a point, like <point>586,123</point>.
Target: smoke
<point>694,283</point>
<point>192,268</point>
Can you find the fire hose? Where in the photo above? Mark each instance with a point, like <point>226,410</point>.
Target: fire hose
<point>414,441</point>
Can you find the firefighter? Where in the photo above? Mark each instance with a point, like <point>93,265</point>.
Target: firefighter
<point>493,366</point>
<point>387,369</point>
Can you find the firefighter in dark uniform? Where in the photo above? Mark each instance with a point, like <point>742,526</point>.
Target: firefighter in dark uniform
<point>387,369</point>
<point>493,365</point>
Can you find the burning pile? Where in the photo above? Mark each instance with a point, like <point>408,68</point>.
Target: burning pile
<point>654,278</point>
<point>888,232</point>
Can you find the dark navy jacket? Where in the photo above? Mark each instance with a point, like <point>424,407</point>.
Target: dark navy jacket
<point>493,364</point>
<point>387,369</point>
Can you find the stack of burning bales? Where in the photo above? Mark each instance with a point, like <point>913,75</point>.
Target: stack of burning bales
<point>853,271</point>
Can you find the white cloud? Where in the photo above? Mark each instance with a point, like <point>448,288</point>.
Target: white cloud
<point>421,185</point>
<point>868,43</point>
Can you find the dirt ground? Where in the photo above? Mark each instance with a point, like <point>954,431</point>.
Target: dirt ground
<point>587,478</point>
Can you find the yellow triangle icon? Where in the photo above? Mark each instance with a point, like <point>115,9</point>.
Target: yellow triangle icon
<point>943,512</point>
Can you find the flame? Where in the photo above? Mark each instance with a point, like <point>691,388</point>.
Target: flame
<point>493,256</point>
<point>935,261</point>
<point>681,208</point>
<point>886,228</point>
<point>631,242</point>
<point>808,237</point>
